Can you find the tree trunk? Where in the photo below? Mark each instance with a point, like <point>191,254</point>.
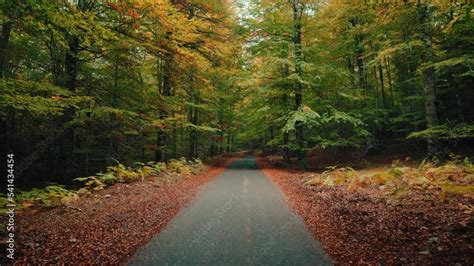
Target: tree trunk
<point>212,148</point>
<point>232,144</point>
<point>66,159</point>
<point>286,136</point>
<point>360,71</point>
<point>175,141</point>
<point>389,77</point>
<point>286,149</point>
<point>297,42</point>
<point>165,88</point>
<point>193,134</point>
<point>350,67</point>
<point>6,30</point>
<point>376,89</point>
<point>382,86</point>
<point>228,142</point>
<point>160,144</point>
<point>6,139</point>
<point>429,76</point>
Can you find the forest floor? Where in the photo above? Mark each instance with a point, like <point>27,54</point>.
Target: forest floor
<point>108,225</point>
<point>367,225</point>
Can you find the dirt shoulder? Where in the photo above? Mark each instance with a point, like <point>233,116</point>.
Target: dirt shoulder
<point>107,226</point>
<point>365,227</point>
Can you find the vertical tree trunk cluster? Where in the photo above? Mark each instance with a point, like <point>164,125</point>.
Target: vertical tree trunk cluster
<point>5,38</point>
<point>165,88</point>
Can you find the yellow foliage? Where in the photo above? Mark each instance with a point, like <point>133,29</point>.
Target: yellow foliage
<point>315,181</point>
<point>356,182</point>
<point>458,189</point>
<point>379,178</point>
<point>448,172</point>
<point>452,177</point>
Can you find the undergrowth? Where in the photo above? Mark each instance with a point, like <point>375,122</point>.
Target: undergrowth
<point>57,195</point>
<point>455,176</point>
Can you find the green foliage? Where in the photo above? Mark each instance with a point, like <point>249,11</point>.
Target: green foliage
<point>445,132</point>
<point>50,196</point>
<point>453,177</point>
<point>109,78</point>
<point>304,116</point>
<point>38,99</point>
<point>141,81</point>
<point>367,60</point>
<point>174,169</point>
<point>341,130</point>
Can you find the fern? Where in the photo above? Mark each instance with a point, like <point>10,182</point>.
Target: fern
<point>445,132</point>
<point>304,115</point>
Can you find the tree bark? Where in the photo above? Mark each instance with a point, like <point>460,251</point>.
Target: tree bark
<point>6,31</point>
<point>390,85</point>
<point>429,75</point>
<point>375,87</point>
<point>359,57</point>
<point>228,142</point>
<point>193,134</point>
<point>164,74</point>
<point>298,9</point>
<point>286,149</point>
<point>286,136</point>
<point>7,137</point>
<point>382,86</point>
<point>66,159</point>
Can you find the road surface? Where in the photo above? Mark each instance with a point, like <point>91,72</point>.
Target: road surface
<point>240,218</point>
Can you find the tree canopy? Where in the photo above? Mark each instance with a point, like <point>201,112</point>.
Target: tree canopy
<point>87,82</point>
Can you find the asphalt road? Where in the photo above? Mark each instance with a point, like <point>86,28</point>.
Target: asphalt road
<point>240,218</point>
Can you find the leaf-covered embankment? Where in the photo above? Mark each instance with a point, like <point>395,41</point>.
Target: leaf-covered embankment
<point>367,225</point>
<point>108,225</point>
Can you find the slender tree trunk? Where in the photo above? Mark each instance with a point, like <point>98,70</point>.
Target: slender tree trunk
<point>228,142</point>
<point>297,42</point>
<point>429,76</point>
<point>212,148</point>
<point>389,77</point>
<point>165,89</point>
<point>376,89</point>
<point>286,149</point>
<point>67,143</point>
<point>5,38</point>
<point>7,136</point>
<point>232,143</point>
<point>286,136</point>
<point>361,71</point>
<point>359,57</point>
<point>193,134</point>
<point>160,144</point>
<point>175,141</point>
<point>350,67</point>
<point>382,86</point>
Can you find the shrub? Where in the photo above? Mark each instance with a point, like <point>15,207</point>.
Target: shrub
<point>455,176</point>
<point>51,196</point>
<point>170,172</point>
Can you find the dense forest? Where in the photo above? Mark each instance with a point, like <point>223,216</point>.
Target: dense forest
<point>87,83</point>
<point>352,74</point>
<point>229,132</point>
